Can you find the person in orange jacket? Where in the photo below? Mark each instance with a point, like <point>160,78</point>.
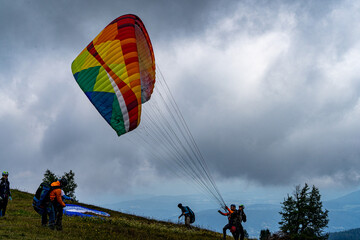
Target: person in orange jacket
<point>232,216</point>
<point>57,202</point>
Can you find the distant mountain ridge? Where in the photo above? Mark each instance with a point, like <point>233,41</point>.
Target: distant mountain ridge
<point>349,200</point>
<point>353,234</point>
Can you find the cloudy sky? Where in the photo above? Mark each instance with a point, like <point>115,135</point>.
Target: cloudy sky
<point>269,89</point>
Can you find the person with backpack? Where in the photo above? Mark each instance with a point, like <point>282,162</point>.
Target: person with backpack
<point>57,202</point>
<point>188,213</point>
<point>43,206</point>
<point>232,215</point>
<point>241,218</point>
<point>5,193</point>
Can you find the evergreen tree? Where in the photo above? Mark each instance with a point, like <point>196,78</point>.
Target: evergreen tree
<point>69,190</point>
<point>49,176</point>
<point>318,219</point>
<point>302,216</point>
<point>246,234</point>
<point>265,234</point>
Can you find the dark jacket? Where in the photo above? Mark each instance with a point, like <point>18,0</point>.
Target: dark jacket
<point>241,216</point>
<point>232,215</point>
<point>185,211</point>
<point>234,218</point>
<point>5,188</point>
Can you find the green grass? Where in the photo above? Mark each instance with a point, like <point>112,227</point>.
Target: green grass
<point>22,222</point>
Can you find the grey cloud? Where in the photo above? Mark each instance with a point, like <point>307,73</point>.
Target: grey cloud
<point>302,130</point>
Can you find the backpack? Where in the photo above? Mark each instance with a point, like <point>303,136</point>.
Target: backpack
<point>191,215</point>
<point>42,197</point>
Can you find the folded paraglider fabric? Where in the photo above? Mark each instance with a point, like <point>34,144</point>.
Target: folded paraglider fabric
<point>76,210</point>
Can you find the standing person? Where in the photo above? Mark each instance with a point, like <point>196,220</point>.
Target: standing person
<point>232,215</point>
<point>57,202</point>
<point>5,193</point>
<point>42,205</point>
<point>188,213</point>
<point>241,218</point>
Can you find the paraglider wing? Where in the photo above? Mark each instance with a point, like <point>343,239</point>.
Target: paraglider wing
<point>76,210</point>
<point>116,71</point>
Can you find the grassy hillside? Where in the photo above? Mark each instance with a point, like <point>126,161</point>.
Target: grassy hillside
<point>22,222</point>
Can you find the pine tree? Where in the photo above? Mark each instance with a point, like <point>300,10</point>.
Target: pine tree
<point>49,176</point>
<point>70,188</point>
<point>246,234</point>
<point>302,214</point>
<point>318,219</point>
<point>265,234</point>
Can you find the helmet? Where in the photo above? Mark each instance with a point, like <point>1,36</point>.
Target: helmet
<point>63,182</point>
<point>179,205</point>
<point>242,206</point>
<point>232,205</point>
<point>5,173</point>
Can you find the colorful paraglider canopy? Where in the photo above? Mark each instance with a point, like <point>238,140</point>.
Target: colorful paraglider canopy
<point>116,71</point>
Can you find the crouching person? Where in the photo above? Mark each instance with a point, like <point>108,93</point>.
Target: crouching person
<point>188,213</point>
<point>57,202</point>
